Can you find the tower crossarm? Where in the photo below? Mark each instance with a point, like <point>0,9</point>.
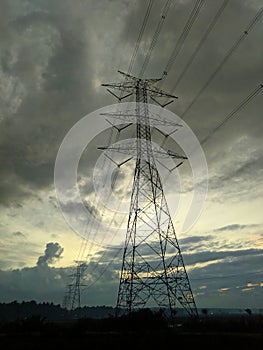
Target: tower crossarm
<point>120,86</point>
<point>155,91</point>
<point>131,84</point>
<point>132,117</point>
<point>135,79</point>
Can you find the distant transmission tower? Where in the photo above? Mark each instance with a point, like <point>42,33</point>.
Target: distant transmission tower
<point>73,293</point>
<point>153,271</point>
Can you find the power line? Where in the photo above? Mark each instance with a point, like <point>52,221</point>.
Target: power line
<point>73,288</point>
<point>176,52</point>
<point>128,29</point>
<point>227,56</point>
<point>104,270</point>
<point>241,105</point>
<point>138,41</point>
<point>94,225</point>
<point>201,42</point>
<point>136,48</point>
<point>155,37</point>
<point>135,51</point>
<point>112,219</point>
<point>193,16</point>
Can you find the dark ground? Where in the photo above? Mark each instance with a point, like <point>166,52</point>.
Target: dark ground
<point>129,340</point>
<point>142,330</point>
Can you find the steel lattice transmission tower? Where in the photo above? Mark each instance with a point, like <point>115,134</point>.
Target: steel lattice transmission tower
<point>72,296</point>
<point>153,271</point>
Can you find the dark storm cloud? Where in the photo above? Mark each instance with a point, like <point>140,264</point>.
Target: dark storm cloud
<point>229,26</point>
<point>43,61</point>
<point>48,65</point>
<point>45,283</point>
<point>225,91</point>
<point>203,257</point>
<point>213,258</point>
<point>34,283</point>
<point>234,272</point>
<point>232,279</point>
<point>239,75</point>
<point>228,269</point>
<point>40,282</point>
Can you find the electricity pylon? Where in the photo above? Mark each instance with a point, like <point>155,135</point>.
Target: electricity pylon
<point>72,296</point>
<point>153,272</point>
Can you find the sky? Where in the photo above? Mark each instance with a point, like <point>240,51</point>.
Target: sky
<point>54,56</point>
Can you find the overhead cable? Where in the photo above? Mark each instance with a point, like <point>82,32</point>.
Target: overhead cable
<point>226,57</point>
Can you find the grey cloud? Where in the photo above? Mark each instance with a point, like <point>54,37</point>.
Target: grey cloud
<point>196,239</point>
<point>19,234</point>
<point>71,208</point>
<point>51,51</point>
<point>245,167</point>
<point>233,258</point>
<point>223,94</point>
<point>48,63</point>
<point>49,283</point>
<point>34,283</point>
<point>232,280</point>
<point>239,171</point>
<point>229,269</point>
<point>233,227</point>
<point>52,70</point>
<point>202,257</point>
<point>224,239</point>
<point>52,253</point>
